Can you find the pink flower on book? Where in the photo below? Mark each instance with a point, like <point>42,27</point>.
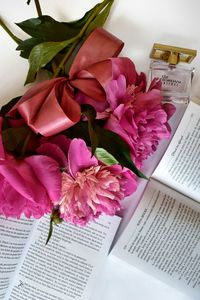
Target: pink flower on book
<point>138,116</point>
<point>28,186</point>
<point>88,187</point>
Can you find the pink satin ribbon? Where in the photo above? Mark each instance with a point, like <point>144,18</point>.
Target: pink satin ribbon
<point>49,107</point>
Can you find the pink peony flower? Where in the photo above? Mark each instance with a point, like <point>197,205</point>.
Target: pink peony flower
<point>138,117</point>
<point>28,186</point>
<point>88,187</point>
<point>132,112</point>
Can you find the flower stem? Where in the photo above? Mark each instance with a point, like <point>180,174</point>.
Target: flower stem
<point>80,35</point>
<point>16,39</point>
<point>38,7</point>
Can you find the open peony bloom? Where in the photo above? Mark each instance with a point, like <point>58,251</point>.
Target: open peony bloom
<point>28,186</point>
<point>88,187</point>
<point>137,115</point>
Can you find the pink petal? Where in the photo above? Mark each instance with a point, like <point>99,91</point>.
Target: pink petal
<point>128,180</point>
<point>79,157</point>
<point>115,91</point>
<point>119,111</point>
<point>12,203</point>
<point>81,98</point>
<point>109,207</point>
<point>147,100</point>
<point>53,151</point>
<point>47,171</point>
<point>155,84</point>
<point>32,181</point>
<point>141,82</point>
<point>169,109</point>
<point>2,153</point>
<point>62,141</point>
<point>14,178</point>
<point>114,125</point>
<point>123,65</point>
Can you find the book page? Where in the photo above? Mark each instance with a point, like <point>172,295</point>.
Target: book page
<point>67,267</point>
<point>163,238</point>
<point>13,237</point>
<point>180,166</point>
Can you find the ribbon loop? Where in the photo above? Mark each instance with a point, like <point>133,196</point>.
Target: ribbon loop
<point>99,46</point>
<point>50,106</point>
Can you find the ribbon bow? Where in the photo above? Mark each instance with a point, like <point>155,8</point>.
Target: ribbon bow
<point>49,107</point>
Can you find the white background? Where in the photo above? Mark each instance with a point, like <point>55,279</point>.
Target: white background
<point>139,24</point>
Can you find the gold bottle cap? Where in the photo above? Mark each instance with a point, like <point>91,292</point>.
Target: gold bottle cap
<point>172,55</point>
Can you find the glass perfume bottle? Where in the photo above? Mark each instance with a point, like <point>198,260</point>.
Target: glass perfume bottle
<point>169,64</point>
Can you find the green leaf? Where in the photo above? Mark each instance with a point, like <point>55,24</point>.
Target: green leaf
<point>42,54</point>
<point>100,19</point>
<point>90,113</point>
<point>79,130</point>
<point>7,107</point>
<point>14,137</point>
<point>48,29</point>
<point>26,46</point>
<point>105,157</point>
<point>113,143</point>
<point>107,140</point>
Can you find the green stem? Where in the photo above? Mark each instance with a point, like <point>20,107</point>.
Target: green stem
<point>80,35</point>
<point>38,7</point>
<point>16,39</point>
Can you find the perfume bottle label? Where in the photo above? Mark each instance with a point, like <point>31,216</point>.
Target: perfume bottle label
<point>172,80</point>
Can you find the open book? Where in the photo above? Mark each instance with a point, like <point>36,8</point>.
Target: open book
<point>163,235</point>
<point>66,268</point>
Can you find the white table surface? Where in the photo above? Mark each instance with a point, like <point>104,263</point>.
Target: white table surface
<point>139,24</point>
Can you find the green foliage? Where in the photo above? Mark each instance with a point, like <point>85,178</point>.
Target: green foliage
<point>47,29</point>
<point>107,140</point>
<point>48,37</point>
<point>42,54</point>
<point>27,45</point>
<point>100,18</point>
<point>105,157</point>
<point>90,113</point>
<point>113,143</point>
<point>7,107</point>
<point>14,138</point>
